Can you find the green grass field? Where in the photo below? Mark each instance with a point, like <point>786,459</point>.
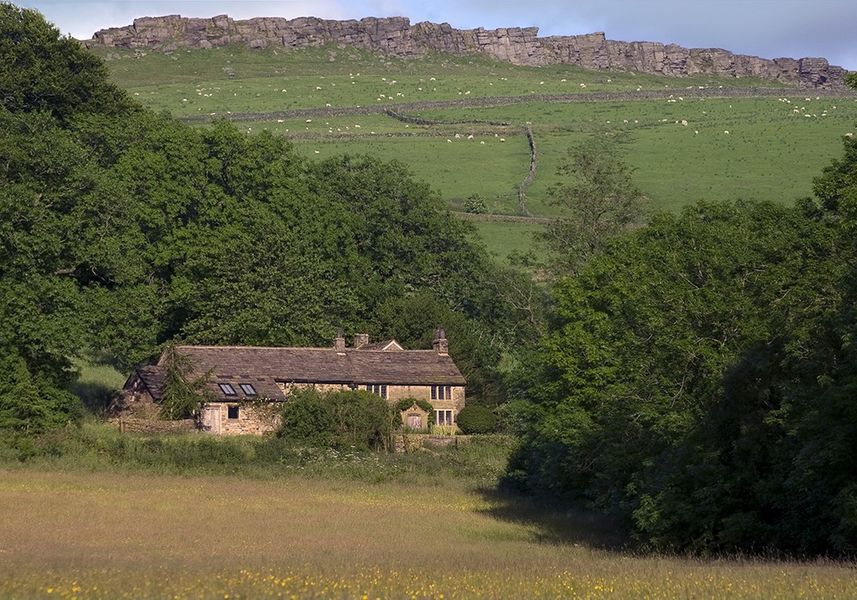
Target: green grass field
<point>678,146</point>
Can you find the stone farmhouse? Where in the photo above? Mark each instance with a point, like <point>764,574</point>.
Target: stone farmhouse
<point>248,383</point>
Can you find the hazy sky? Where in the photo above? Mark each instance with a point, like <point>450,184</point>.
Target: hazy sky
<point>768,28</point>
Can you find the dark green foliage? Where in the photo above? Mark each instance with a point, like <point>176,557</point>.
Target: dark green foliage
<point>699,379</point>
<point>412,320</point>
<point>475,204</point>
<point>353,419</point>
<point>41,71</point>
<point>599,198</point>
<point>184,394</point>
<point>31,404</point>
<point>476,419</point>
<point>121,229</point>
<point>307,419</point>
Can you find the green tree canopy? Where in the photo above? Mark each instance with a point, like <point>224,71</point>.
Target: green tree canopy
<point>696,377</point>
<point>598,198</point>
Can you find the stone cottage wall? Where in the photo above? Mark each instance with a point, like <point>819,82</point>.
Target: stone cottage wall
<point>253,418</point>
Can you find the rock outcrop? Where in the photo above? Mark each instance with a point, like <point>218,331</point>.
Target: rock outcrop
<point>521,46</point>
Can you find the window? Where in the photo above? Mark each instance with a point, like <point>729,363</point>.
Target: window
<point>227,389</point>
<point>443,417</point>
<point>248,389</point>
<point>377,388</point>
<point>441,392</point>
<point>231,412</point>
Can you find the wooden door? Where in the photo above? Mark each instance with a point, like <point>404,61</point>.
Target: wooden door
<point>213,420</point>
<point>415,421</point>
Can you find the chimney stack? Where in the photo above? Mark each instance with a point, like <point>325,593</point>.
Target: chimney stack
<point>361,339</point>
<point>339,342</point>
<point>440,345</point>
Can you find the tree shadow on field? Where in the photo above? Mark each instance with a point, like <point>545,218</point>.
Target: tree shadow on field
<point>555,523</point>
<point>95,397</point>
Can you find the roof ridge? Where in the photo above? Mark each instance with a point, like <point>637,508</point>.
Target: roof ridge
<point>362,349</point>
<point>240,347</point>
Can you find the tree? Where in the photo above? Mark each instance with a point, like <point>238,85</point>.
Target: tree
<point>690,373</point>
<point>32,404</point>
<point>42,71</point>
<point>184,393</point>
<point>599,201</point>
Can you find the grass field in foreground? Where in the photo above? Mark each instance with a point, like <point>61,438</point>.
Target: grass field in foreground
<point>112,535</point>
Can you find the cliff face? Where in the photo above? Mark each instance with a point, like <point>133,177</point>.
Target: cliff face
<point>520,46</point>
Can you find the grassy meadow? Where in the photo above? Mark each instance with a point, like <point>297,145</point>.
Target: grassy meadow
<point>679,147</point>
<point>135,517</point>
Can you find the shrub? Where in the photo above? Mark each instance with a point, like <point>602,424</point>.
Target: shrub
<point>307,419</point>
<point>339,419</point>
<point>475,204</point>
<point>476,419</point>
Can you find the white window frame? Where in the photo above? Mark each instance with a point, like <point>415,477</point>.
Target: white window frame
<point>441,392</point>
<point>379,389</point>
<point>448,416</point>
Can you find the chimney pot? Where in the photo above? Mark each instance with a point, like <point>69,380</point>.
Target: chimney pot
<point>440,344</point>
<point>339,342</point>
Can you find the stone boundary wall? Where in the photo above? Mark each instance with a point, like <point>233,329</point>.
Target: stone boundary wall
<point>531,173</point>
<point>421,121</point>
<point>497,101</point>
<point>404,443</point>
<point>396,36</point>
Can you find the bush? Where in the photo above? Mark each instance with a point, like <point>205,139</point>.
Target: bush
<point>476,419</point>
<point>339,419</point>
<point>475,204</point>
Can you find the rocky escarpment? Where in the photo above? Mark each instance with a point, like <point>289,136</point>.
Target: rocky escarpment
<point>521,46</point>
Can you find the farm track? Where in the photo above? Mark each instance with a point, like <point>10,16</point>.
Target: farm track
<point>496,101</point>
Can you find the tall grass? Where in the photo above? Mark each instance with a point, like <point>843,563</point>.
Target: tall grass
<point>96,446</point>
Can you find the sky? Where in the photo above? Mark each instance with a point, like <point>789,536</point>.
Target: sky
<point>767,28</point>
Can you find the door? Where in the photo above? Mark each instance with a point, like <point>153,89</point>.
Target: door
<point>213,420</point>
<point>415,421</point>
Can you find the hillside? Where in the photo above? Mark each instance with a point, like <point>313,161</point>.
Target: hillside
<point>395,36</point>
<point>466,115</point>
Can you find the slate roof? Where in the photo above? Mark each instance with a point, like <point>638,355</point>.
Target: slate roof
<point>152,377</point>
<point>263,367</point>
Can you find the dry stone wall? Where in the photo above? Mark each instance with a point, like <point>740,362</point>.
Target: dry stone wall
<point>517,45</point>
